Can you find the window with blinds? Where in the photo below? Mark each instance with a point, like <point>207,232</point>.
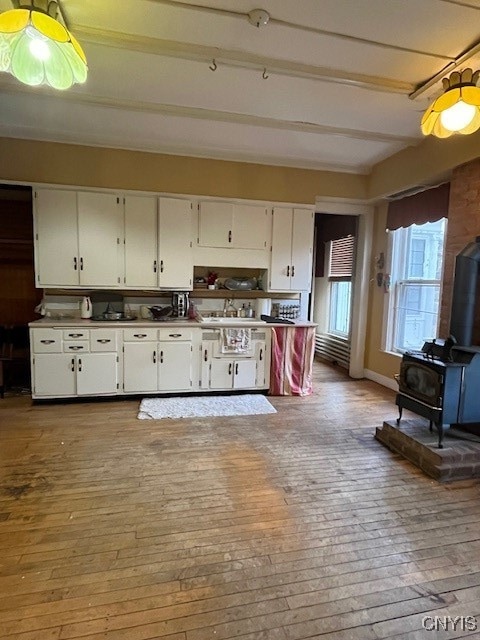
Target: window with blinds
<point>341,258</point>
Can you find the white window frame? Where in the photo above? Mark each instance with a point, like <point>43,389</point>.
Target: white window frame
<point>390,306</point>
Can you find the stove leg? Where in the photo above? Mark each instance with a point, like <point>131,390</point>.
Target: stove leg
<point>431,425</point>
<point>440,435</point>
<point>400,409</point>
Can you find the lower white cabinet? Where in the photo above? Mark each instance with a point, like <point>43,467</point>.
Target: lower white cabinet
<point>157,360</point>
<point>233,374</point>
<point>73,362</point>
<point>69,362</point>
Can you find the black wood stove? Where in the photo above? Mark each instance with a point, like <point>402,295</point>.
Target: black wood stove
<point>442,381</point>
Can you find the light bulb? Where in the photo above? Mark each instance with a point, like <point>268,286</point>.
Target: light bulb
<point>458,116</point>
<point>38,45</point>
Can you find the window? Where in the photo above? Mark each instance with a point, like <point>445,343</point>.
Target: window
<point>340,268</point>
<point>417,257</point>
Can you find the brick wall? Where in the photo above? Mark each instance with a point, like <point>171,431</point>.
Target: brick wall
<point>463,227</point>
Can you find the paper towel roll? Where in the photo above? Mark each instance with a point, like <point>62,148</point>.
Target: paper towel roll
<point>264,306</point>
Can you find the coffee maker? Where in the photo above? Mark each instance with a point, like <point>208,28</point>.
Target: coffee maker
<point>180,304</point>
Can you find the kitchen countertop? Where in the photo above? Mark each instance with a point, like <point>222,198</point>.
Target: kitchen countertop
<point>67,322</point>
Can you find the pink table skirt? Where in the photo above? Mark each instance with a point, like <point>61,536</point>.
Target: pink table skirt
<point>293,349</point>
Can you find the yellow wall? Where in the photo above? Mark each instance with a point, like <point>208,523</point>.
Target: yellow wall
<point>377,360</point>
<point>50,162</point>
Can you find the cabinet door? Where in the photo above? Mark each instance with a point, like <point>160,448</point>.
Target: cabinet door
<point>100,230</point>
<point>54,375</point>
<point>221,373</point>
<point>175,366</point>
<point>302,250</point>
<point>140,241</point>
<point>244,374</point>
<point>140,367</point>
<point>250,227</point>
<point>260,357</point>
<point>280,266</point>
<point>56,238</point>
<point>96,374</point>
<point>215,224</point>
<point>175,243</point>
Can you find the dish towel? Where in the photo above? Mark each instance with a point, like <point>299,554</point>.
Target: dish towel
<point>235,340</point>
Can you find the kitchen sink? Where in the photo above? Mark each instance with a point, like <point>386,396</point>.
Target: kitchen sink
<point>230,320</point>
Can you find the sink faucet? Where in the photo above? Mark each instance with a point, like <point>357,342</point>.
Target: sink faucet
<point>228,304</point>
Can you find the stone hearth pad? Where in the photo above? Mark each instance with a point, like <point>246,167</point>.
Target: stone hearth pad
<point>412,439</point>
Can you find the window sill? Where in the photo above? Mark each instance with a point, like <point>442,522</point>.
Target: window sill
<point>392,353</point>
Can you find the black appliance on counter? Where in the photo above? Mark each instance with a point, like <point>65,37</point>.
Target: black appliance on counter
<point>442,381</point>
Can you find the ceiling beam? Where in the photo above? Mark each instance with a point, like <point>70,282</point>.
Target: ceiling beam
<point>212,115</point>
<point>245,60</point>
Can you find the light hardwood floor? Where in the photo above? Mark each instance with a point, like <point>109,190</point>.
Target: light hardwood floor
<point>278,527</point>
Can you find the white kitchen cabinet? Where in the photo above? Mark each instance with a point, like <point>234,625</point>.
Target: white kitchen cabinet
<point>56,238</point>
<point>228,373</point>
<point>174,366</point>
<point>77,239</point>
<point>100,232</point>
<point>141,259</point>
<point>140,370</point>
<point>175,255</point>
<point>292,249</point>
<point>157,360</point>
<point>73,362</point>
<point>231,225</point>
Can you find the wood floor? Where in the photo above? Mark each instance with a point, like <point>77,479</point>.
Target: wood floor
<point>277,527</point>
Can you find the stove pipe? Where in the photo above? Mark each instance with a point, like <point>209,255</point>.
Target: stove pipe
<point>462,318</point>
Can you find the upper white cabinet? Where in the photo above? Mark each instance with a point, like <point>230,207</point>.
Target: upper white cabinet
<point>292,249</point>
<point>100,232</point>
<point>141,260</point>
<point>77,238</point>
<point>175,259</point>
<point>230,225</point>
<point>89,239</point>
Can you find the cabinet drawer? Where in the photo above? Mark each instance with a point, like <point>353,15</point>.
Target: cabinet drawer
<point>76,346</point>
<point>47,341</point>
<point>75,334</point>
<point>172,333</point>
<point>103,341</point>
<point>139,335</point>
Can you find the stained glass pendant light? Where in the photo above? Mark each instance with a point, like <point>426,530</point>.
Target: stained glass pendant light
<point>37,48</point>
<point>457,110</point>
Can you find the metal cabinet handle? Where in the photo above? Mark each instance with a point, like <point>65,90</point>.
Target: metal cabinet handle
<point>103,340</point>
<point>154,357</point>
<point>161,357</point>
<point>79,364</point>
<point>77,347</point>
<point>161,266</point>
<point>230,369</point>
<point>154,266</point>
<point>73,364</point>
<point>230,235</point>
<point>47,341</point>
<point>236,368</point>
<point>261,355</point>
<point>174,335</point>
<point>205,355</point>
<point>81,263</point>
<point>75,265</point>
<point>139,335</point>
<point>288,270</point>
<point>75,335</point>
<point>293,270</point>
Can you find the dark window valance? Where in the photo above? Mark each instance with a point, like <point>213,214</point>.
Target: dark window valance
<point>427,206</point>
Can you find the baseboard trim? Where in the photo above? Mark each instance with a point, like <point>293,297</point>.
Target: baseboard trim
<point>383,380</point>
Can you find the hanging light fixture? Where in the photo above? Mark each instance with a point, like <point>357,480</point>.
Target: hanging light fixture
<point>37,48</point>
<point>457,110</point>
